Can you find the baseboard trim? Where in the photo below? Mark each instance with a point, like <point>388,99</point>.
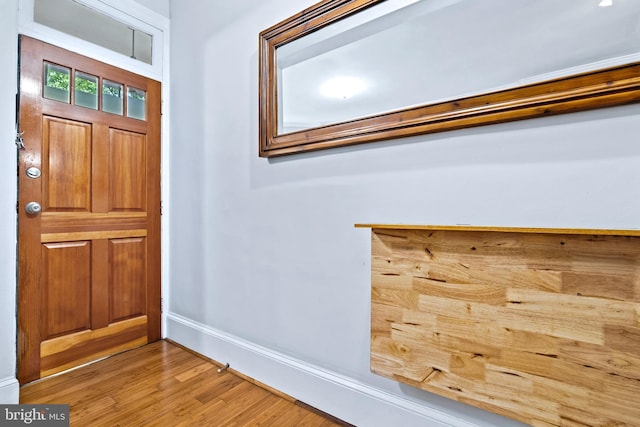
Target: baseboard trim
<point>343,397</point>
<point>9,391</point>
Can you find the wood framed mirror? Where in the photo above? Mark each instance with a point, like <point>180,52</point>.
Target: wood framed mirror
<point>346,72</point>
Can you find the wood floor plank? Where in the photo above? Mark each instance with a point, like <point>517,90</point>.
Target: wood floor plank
<point>293,417</point>
<point>163,384</point>
<point>222,384</point>
<point>269,415</point>
<point>254,411</point>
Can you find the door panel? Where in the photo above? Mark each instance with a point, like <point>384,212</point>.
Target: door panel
<point>128,257</point>
<point>89,263</point>
<point>66,292</point>
<point>66,165</point>
<point>72,350</point>
<point>127,154</point>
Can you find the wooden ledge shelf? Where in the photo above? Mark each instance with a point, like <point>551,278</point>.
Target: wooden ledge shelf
<point>464,227</point>
<point>541,325</point>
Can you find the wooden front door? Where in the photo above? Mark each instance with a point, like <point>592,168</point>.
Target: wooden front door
<point>89,251</point>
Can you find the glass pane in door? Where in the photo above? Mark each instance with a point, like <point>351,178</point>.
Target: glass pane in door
<point>136,103</point>
<point>56,82</point>
<point>86,90</point>
<point>112,97</point>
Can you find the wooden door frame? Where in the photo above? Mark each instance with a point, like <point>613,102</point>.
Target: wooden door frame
<point>142,17</point>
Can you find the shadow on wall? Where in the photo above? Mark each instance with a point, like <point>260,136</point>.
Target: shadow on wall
<point>591,135</point>
<point>606,133</point>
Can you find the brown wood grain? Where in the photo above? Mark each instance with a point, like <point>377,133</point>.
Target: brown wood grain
<point>127,171</point>
<point>538,325</point>
<point>65,292</point>
<point>165,385</point>
<point>66,165</point>
<point>99,170</point>
<point>100,187</point>
<point>90,235</point>
<point>28,292</point>
<point>71,350</point>
<point>590,232</point>
<point>70,222</point>
<point>100,289</point>
<point>127,286</point>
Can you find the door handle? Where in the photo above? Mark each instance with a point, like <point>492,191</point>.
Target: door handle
<point>33,208</point>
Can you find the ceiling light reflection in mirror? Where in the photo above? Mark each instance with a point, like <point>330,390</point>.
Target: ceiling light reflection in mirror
<point>342,87</point>
<point>416,52</point>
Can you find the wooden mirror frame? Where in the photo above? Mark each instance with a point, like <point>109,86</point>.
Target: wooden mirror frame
<point>594,89</point>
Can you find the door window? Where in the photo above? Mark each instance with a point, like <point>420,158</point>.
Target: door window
<point>58,86</point>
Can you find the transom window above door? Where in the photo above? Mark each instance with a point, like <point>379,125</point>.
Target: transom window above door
<point>75,87</point>
<point>86,23</point>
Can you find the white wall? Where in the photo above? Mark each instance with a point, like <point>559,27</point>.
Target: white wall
<point>159,6</point>
<point>9,49</point>
<point>267,267</point>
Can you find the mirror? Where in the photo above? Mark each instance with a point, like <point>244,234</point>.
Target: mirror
<point>345,72</point>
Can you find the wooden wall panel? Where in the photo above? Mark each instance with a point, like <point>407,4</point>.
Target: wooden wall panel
<point>66,165</point>
<point>65,282</point>
<point>128,168</point>
<point>540,327</point>
<point>128,279</point>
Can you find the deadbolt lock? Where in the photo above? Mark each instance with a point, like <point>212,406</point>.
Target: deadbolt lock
<point>33,172</point>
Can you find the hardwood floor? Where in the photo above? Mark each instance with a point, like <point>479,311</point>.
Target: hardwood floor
<point>162,384</point>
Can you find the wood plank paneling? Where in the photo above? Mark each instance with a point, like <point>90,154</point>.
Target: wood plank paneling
<point>541,327</point>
